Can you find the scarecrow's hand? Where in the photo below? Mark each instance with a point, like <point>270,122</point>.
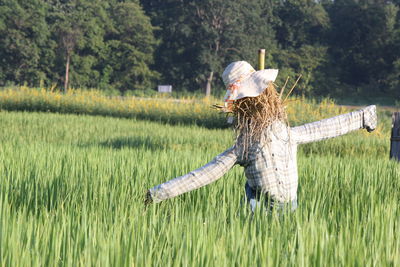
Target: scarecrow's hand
<point>370,118</point>
<point>148,199</point>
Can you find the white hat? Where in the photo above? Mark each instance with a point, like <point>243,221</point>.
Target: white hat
<point>242,80</point>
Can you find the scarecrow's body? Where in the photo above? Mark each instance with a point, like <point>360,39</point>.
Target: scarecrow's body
<point>270,164</point>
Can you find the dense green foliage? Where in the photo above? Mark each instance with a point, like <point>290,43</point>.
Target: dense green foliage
<point>110,43</point>
<point>341,48</point>
<point>72,190</point>
<point>199,38</point>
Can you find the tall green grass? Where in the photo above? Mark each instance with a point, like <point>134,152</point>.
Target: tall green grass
<point>72,188</point>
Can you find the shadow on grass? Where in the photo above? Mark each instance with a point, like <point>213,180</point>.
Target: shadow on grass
<point>209,122</point>
<point>35,196</point>
<point>183,119</point>
<point>146,143</point>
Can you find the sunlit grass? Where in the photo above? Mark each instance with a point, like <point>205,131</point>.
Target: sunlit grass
<point>173,111</point>
<point>72,188</point>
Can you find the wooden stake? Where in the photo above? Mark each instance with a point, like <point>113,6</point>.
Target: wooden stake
<point>261,59</point>
<point>395,138</point>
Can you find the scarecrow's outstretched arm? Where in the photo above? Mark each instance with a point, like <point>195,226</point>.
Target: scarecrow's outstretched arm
<point>209,173</point>
<point>339,125</point>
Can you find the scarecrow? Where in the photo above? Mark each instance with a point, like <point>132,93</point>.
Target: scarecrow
<point>265,144</point>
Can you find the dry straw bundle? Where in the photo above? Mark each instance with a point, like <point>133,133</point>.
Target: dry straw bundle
<point>254,114</point>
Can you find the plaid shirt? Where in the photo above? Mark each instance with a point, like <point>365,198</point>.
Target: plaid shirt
<point>271,164</point>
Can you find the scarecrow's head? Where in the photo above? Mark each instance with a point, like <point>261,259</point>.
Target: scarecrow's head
<point>251,95</point>
<point>242,80</point>
<point>252,99</point>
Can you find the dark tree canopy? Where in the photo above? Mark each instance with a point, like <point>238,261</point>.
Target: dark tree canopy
<point>109,44</point>
<point>341,47</point>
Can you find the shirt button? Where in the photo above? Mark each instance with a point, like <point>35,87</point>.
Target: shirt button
<point>276,169</point>
<point>273,154</point>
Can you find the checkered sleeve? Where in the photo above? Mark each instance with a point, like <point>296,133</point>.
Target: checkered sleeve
<point>336,126</point>
<point>207,174</point>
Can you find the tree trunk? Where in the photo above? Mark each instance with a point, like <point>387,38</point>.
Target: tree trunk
<point>66,74</point>
<point>208,85</point>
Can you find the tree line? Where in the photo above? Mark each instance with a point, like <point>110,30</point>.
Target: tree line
<point>102,44</point>
<point>341,47</point>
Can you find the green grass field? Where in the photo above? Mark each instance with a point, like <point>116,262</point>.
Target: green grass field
<point>71,194</point>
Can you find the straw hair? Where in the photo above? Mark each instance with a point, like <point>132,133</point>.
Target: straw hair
<point>255,114</point>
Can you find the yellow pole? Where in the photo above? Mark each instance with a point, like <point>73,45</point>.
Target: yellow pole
<point>261,59</point>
